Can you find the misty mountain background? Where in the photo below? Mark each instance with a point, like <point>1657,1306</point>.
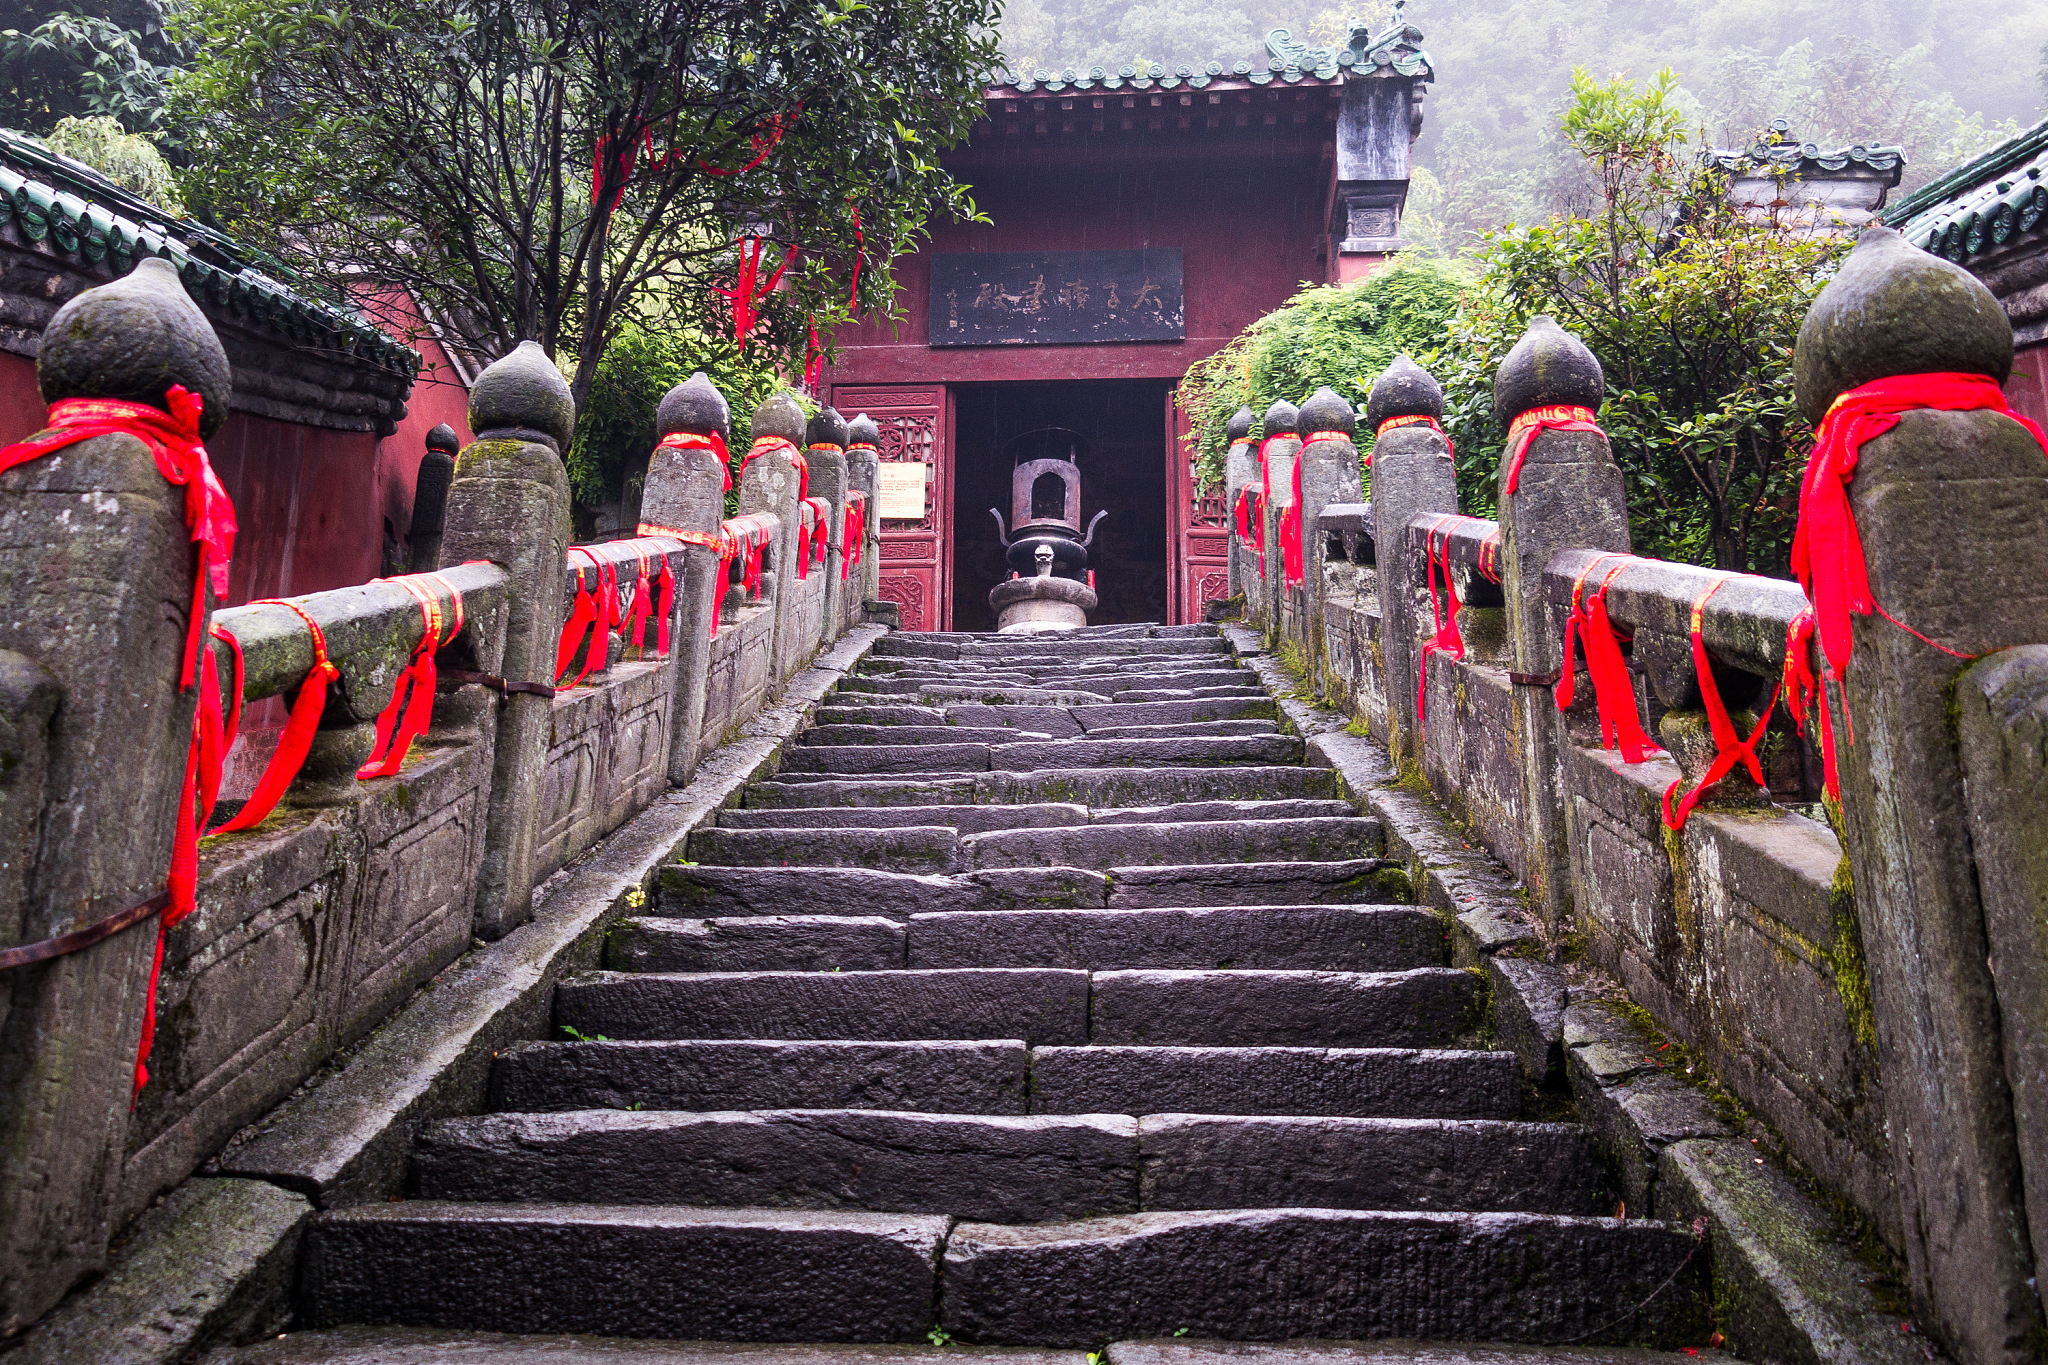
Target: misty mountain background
<point>1944,81</point>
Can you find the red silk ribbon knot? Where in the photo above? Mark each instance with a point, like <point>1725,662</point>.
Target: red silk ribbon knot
<point>412,696</point>
<point>1522,432</point>
<point>1447,639</point>
<point>1730,748</point>
<point>693,440</point>
<point>1803,690</point>
<point>1613,694</point>
<point>1827,551</point>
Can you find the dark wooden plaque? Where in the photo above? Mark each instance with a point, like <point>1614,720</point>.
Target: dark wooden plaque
<point>1056,298</point>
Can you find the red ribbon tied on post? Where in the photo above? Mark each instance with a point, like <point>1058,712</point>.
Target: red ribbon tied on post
<point>692,440</point>
<point>1614,695</point>
<point>1522,432</point>
<point>1415,419</point>
<point>297,739</point>
<point>412,697</point>
<point>1447,640</point>
<point>1730,748</point>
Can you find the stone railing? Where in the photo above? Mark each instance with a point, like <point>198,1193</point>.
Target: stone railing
<point>1864,974</point>
<point>314,925</point>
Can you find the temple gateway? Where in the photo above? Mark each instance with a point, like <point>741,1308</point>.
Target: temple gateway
<point>1121,206</point>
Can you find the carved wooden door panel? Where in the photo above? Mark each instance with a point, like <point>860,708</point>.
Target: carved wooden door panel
<point>1200,542</point>
<point>915,568</point>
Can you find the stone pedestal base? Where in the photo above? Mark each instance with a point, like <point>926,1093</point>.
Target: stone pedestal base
<point>1028,606</point>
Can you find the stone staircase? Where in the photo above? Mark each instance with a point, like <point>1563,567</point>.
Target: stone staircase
<point>1043,997</point>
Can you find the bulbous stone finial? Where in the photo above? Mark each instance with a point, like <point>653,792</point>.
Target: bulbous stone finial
<point>135,338</point>
<point>862,431</point>
<point>1548,366</point>
<point>1240,424</point>
<point>1282,419</point>
<point>1326,411</point>
<point>444,439</point>
<point>524,392</point>
<point>827,428</point>
<point>1404,389</point>
<point>1895,309</point>
<point>780,415</point>
<point>694,405</point>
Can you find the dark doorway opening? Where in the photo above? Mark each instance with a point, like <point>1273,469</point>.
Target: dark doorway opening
<point>1123,469</point>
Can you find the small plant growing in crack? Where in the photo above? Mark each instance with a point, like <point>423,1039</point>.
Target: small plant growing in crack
<point>580,1036</point>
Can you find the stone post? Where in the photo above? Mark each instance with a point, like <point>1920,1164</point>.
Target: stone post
<point>1240,470</point>
<point>509,503</point>
<point>1569,495</point>
<point>1952,510</point>
<point>430,497</point>
<point>97,578</point>
<point>685,490</point>
<point>1329,473</point>
<point>770,485</point>
<point>826,436</point>
<point>863,442</point>
<point>1282,420</point>
<point>1412,476</point>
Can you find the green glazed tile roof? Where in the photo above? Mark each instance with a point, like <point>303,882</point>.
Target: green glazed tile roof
<point>1778,152</point>
<point>1289,61</point>
<point>76,212</point>
<point>1982,204</point>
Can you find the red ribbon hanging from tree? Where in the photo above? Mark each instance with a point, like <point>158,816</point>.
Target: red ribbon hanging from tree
<point>761,142</point>
<point>746,292</point>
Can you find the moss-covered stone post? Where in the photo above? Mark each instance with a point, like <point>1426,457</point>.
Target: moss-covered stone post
<point>770,485</point>
<point>1282,422</point>
<point>1952,509</point>
<point>509,503</point>
<point>1329,473</point>
<point>685,491</point>
<point>1412,476</point>
<point>864,467</point>
<point>97,577</point>
<point>826,439</point>
<point>1240,471</point>
<point>1568,494</point>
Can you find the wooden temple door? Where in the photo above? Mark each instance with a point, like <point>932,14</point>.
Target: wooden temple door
<point>1198,538</point>
<point>916,570</point>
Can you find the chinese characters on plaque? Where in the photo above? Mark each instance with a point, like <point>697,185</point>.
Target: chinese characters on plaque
<point>1051,298</point>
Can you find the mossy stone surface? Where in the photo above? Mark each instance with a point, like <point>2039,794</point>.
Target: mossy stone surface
<point>133,339</point>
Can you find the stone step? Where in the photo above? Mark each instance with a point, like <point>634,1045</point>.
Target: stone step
<point>1367,1082</point>
<point>1139,696</point>
<point>1174,712</point>
<point>949,694</point>
<point>1086,688</point>
<point>1250,750</point>
<point>1091,647</point>
<point>735,1274</point>
<point>1286,1273</point>
<point>1009,1169</point>
<point>902,714</point>
<point>719,892</point>
<point>827,790</point>
<point>1001,1169</point>
<point>1191,1351</point>
<point>1421,1007</point>
<point>1182,811</point>
<point>439,1346</point>
<point>964,819</point>
<point>1222,728</point>
<point>708,1074</point>
<point>1056,721</point>
<point>1036,1004</point>
<point>888,758</point>
<point>1297,937</point>
<point>758,943</point>
<point>1334,838</point>
<point>906,848</point>
<point>823,735</point>
<point>1365,881</point>
<point>1098,788</point>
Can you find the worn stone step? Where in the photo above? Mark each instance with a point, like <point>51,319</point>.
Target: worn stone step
<point>1182,811</point>
<point>1002,1169</point>
<point>706,1074</point>
<point>757,943</point>
<point>819,736</point>
<point>827,790</point>
<point>721,892</point>
<point>890,758</point>
<point>949,694</point>
<point>1363,881</point>
<point>1093,647</point>
<point>1098,788</point>
<point>1175,712</point>
<point>1190,1351</point>
<point>1088,689</point>
<point>737,1274</point>
<point>1036,1004</point>
<point>1055,721</point>
<point>1206,1161</point>
<point>1141,695</point>
<point>442,1346</point>
<point>905,848</point>
<point>1422,1007</point>
<point>1197,729</point>
<point>1286,1273</point>
<point>1249,750</point>
<point>1369,1082</point>
<point>833,713</point>
<point>964,819</point>
<point>1300,937</point>
<point>1336,838</point>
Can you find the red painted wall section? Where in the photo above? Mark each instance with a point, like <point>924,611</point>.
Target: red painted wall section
<point>2027,390</point>
<point>438,396</point>
<point>21,405</point>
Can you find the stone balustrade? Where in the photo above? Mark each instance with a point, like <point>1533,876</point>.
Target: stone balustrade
<point>1863,975</point>
<point>314,926</point>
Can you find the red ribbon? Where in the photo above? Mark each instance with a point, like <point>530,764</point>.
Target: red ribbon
<point>592,618</point>
<point>761,142</point>
<point>1290,517</point>
<point>745,293</point>
<point>1446,640</point>
<point>692,440</point>
<point>1522,432</point>
<point>297,738</point>
<point>1827,552</point>
<point>1412,420</point>
<point>412,697</point>
<point>1804,690</point>
<point>1613,693</point>
<point>856,532</point>
<point>1730,748</point>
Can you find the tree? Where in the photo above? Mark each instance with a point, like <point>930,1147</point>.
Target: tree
<point>1692,309</point>
<point>130,160</point>
<point>108,59</point>
<point>558,169</point>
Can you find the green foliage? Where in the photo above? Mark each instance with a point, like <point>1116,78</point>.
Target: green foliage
<point>130,160</point>
<point>615,428</point>
<point>1339,335</point>
<point>90,60</point>
<point>453,147</point>
<point>1692,310</point>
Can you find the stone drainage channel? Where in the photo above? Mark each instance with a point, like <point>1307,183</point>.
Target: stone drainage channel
<point>1043,997</point>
